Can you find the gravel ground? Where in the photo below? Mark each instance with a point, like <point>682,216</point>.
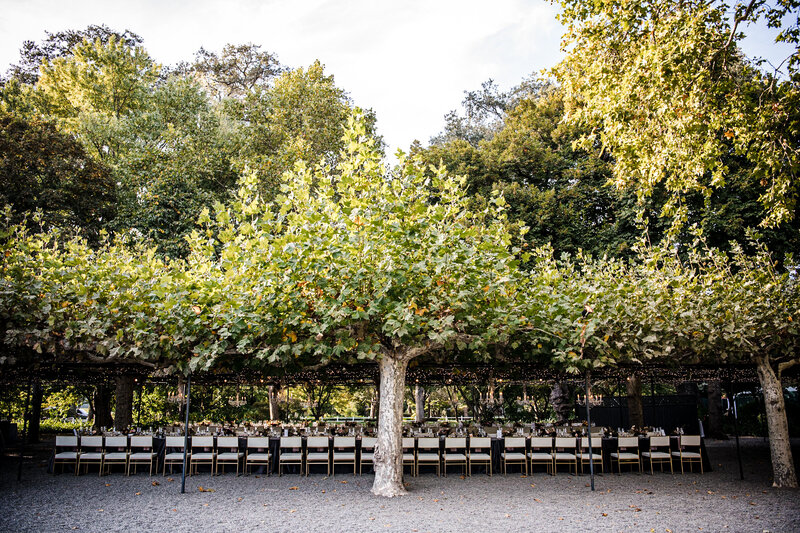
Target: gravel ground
<point>716,501</point>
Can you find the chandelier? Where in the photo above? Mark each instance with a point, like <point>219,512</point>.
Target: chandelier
<point>591,400</point>
<point>237,401</point>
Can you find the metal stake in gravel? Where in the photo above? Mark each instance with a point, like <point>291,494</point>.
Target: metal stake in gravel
<point>25,418</point>
<point>589,430</point>
<point>736,428</point>
<point>186,432</point>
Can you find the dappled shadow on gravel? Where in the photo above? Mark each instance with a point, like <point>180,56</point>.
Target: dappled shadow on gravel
<point>716,501</point>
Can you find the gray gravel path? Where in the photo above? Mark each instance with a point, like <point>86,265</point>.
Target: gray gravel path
<point>716,501</point>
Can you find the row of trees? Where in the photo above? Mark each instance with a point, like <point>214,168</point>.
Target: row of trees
<point>365,264</point>
<point>101,137</point>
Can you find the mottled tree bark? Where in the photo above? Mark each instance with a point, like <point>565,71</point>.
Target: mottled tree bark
<point>274,408</point>
<point>419,400</point>
<point>784,474</point>
<point>561,400</point>
<point>123,410</point>
<point>388,448</point>
<point>714,394</point>
<point>635,410</point>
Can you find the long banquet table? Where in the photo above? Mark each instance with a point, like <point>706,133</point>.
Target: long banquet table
<point>609,445</point>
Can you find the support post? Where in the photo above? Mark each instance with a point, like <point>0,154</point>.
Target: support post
<point>589,430</point>
<point>653,400</point>
<point>24,438</point>
<point>736,428</point>
<point>186,432</point>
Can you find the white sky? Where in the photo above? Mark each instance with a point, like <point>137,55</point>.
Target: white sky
<point>409,60</point>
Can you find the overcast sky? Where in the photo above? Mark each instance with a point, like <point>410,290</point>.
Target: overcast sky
<point>409,60</point>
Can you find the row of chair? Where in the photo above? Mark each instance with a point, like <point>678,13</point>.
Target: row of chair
<point>417,453</point>
<point>105,452</point>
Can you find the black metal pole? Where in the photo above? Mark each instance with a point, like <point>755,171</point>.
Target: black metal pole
<point>736,429</point>
<point>139,411</point>
<point>186,432</point>
<point>653,400</point>
<point>589,431</point>
<point>25,417</point>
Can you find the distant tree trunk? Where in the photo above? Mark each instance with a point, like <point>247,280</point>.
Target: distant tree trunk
<point>102,407</point>
<point>635,410</point>
<point>561,400</point>
<point>714,393</point>
<point>36,412</point>
<point>123,410</point>
<point>784,474</point>
<point>274,407</point>
<point>388,458</point>
<point>419,399</point>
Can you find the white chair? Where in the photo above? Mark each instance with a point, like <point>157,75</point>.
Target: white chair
<point>455,452</point>
<point>685,455</point>
<point>291,453</point>
<point>659,453</point>
<point>91,452</point>
<point>477,455</point>
<point>202,453</point>
<point>541,453</point>
<point>66,452</point>
<point>228,453</point>
<point>115,451</point>
<point>141,452</point>
<point>624,455</point>
<point>258,453</point>
<point>410,454</point>
<point>174,457</point>
<point>344,452</point>
<point>565,452</point>
<point>429,453</point>
<point>367,452</point>
<point>317,452</point>
<point>596,458</point>
<point>514,453</point>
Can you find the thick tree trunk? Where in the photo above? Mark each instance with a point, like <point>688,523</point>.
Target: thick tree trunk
<point>714,394</point>
<point>560,400</point>
<point>102,407</point>
<point>36,412</point>
<point>419,399</point>
<point>777,425</point>
<point>123,411</point>
<point>389,446</point>
<point>274,408</point>
<point>635,410</point>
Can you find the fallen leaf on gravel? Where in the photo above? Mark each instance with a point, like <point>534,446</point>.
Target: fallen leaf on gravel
<point>561,518</point>
<point>292,510</point>
<point>387,525</point>
<point>508,515</point>
<point>323,491</point>
<point>155,483</point>
<point>206,505</point>
<point>533,484</point>
<point>99,510</point>
<point>238,499</point>
<point>462,477</point>
<point>586,485</point>
<point>710,491</point>
<point>537,500</point>
<point>138,494</point>
<point>752,503</point>
<point>372,518</point>
<point>343,482</point>
<point>436,500</point>
<point>605,514</point>
<point>293,488</point>
<point>174,510</point>
<point>201,489</point>
<point>170,479</point>
<point>107,484</point>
